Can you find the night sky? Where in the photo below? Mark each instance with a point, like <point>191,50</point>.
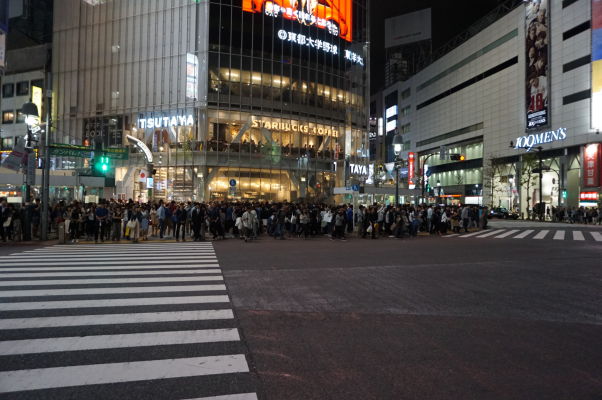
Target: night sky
<point>449,18</point>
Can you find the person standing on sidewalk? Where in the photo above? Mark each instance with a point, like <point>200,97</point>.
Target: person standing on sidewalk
<point>161,215</point>
<point>180,215</point>
<point>117,215</point>
<point>465,215</point>
<point>101,219</point>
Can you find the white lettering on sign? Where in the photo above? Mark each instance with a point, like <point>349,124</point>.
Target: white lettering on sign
<point>303,40</point>
<point>527,142</point>
<point>358,169</point>
<point>165,122</point>
<point>294,126</point>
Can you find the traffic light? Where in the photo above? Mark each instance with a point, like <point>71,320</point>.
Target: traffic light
<point>457,157</point>
<point>102,164</point>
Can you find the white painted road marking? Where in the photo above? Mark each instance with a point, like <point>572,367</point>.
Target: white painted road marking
<point>113,273</point>
<point>541,235</point>
<point>81,375</point>
<point>143,301</point>
<point>452,235</point>
<point>471,234</point>
<point>111,267</point>
<point>66,282</point>
<point>577,235</point>
<point>506,234</point>
<point>524,234</point>
<point>597,236</point>
<point>242,396</point>
<point>114,319</point>
<point>111,290</point>
<point>491,233</point>
<point>110,260</point>
<point>97,342</point>
<point>559,235</point>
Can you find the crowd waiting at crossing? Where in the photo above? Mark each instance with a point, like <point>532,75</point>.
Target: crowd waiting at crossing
<point>112,220</point>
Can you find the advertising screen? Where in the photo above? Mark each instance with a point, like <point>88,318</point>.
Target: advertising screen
<point>334,16</point>
<point>597,64</point>
<point>537,65</point>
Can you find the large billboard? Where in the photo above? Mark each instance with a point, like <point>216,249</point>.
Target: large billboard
<point>597,64</point>
<point>334,16</point>
<point>537,64</point>
<point>408,28</point>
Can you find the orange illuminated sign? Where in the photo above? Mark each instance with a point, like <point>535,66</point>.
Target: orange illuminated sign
<point>335,16</point>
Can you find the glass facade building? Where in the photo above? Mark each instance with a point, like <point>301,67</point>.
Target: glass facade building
<point>250,99</point>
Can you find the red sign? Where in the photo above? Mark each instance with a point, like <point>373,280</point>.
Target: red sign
<point>588,196</point>
<point>591,165</point>
<point>411,172</point>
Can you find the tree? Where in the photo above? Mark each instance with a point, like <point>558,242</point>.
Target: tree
<point>492,170</point>
<point>527,177</point>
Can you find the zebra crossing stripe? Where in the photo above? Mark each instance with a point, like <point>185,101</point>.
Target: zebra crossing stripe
<point>67,282</point>
<point>114,319</point>
<point>597,236</point>
<point>199,265</point>
<point>506,234</point>
<point>95,374</point>
<point>51,256</point>
<point>99,303</point>
<point>471,234</point>
<point>541,234</point>
<point>108,260</point>
<point>112,290</point>
<point>524,234</point>
<point>93,273</point>
<point>452,235</point>
<point>559,235</point>
<point>241,396</point>
<point>491,233</point>
<point>577,235</point>
<point>97,342</point>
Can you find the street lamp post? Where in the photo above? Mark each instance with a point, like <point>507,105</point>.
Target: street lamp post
<point>397,146</point>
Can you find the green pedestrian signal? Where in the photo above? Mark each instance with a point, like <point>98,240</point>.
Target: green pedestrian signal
<point>102,164</point>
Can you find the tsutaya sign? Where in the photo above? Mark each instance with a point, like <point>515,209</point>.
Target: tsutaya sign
<point>294,127</point>
<point>528,141</point>
<point>165,122</point>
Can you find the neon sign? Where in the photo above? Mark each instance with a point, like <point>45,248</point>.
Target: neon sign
<point>527,142</point>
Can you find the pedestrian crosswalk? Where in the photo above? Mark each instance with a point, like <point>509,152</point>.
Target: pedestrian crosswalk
<point>119,321</point>
<point>559,234</point>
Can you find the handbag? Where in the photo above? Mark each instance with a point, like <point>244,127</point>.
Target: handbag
<point>369,230</point>
<point>7,223</point>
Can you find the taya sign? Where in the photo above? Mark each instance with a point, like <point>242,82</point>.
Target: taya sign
<point>294,127</point>
<point>358,169</point>
<point>165,122</point>
<point>334,16</point>
<point>528,141</point>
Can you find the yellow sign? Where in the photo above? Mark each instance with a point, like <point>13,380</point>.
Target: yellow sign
<point>36,98</point>
<point>295,127</point>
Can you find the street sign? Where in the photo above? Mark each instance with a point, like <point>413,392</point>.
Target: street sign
<point>30,177</point>
<point>232,182</point>
<point>71,150</point>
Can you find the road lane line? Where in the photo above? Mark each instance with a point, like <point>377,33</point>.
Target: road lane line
<point>95,374</point>
<point>112,290</point>
<point>97,342</point>
<point>524,234</point>
<point>452,235</point>
<point>541,234</point>
<point>491,233</point>
<point>112,273</point>
<point>114,319</point>
<point>578,235</point>
<point>597,236</point>
<point>68,282</point>
<point>506,234</point>
<point>559,235</point>
<point>102,303</point>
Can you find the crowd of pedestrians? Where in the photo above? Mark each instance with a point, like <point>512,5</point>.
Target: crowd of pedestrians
<point>112,220</point>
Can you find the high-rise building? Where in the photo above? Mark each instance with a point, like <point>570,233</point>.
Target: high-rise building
<point>250,99</point>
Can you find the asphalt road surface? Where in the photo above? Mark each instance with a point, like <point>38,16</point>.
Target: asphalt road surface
<point>427,318</point>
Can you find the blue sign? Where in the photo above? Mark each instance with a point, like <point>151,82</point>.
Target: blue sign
<point>355,188</point>
<point>232,182</point>
<point>428,173</point>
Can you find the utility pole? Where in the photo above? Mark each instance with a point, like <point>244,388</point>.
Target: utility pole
<point>46,151</point>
